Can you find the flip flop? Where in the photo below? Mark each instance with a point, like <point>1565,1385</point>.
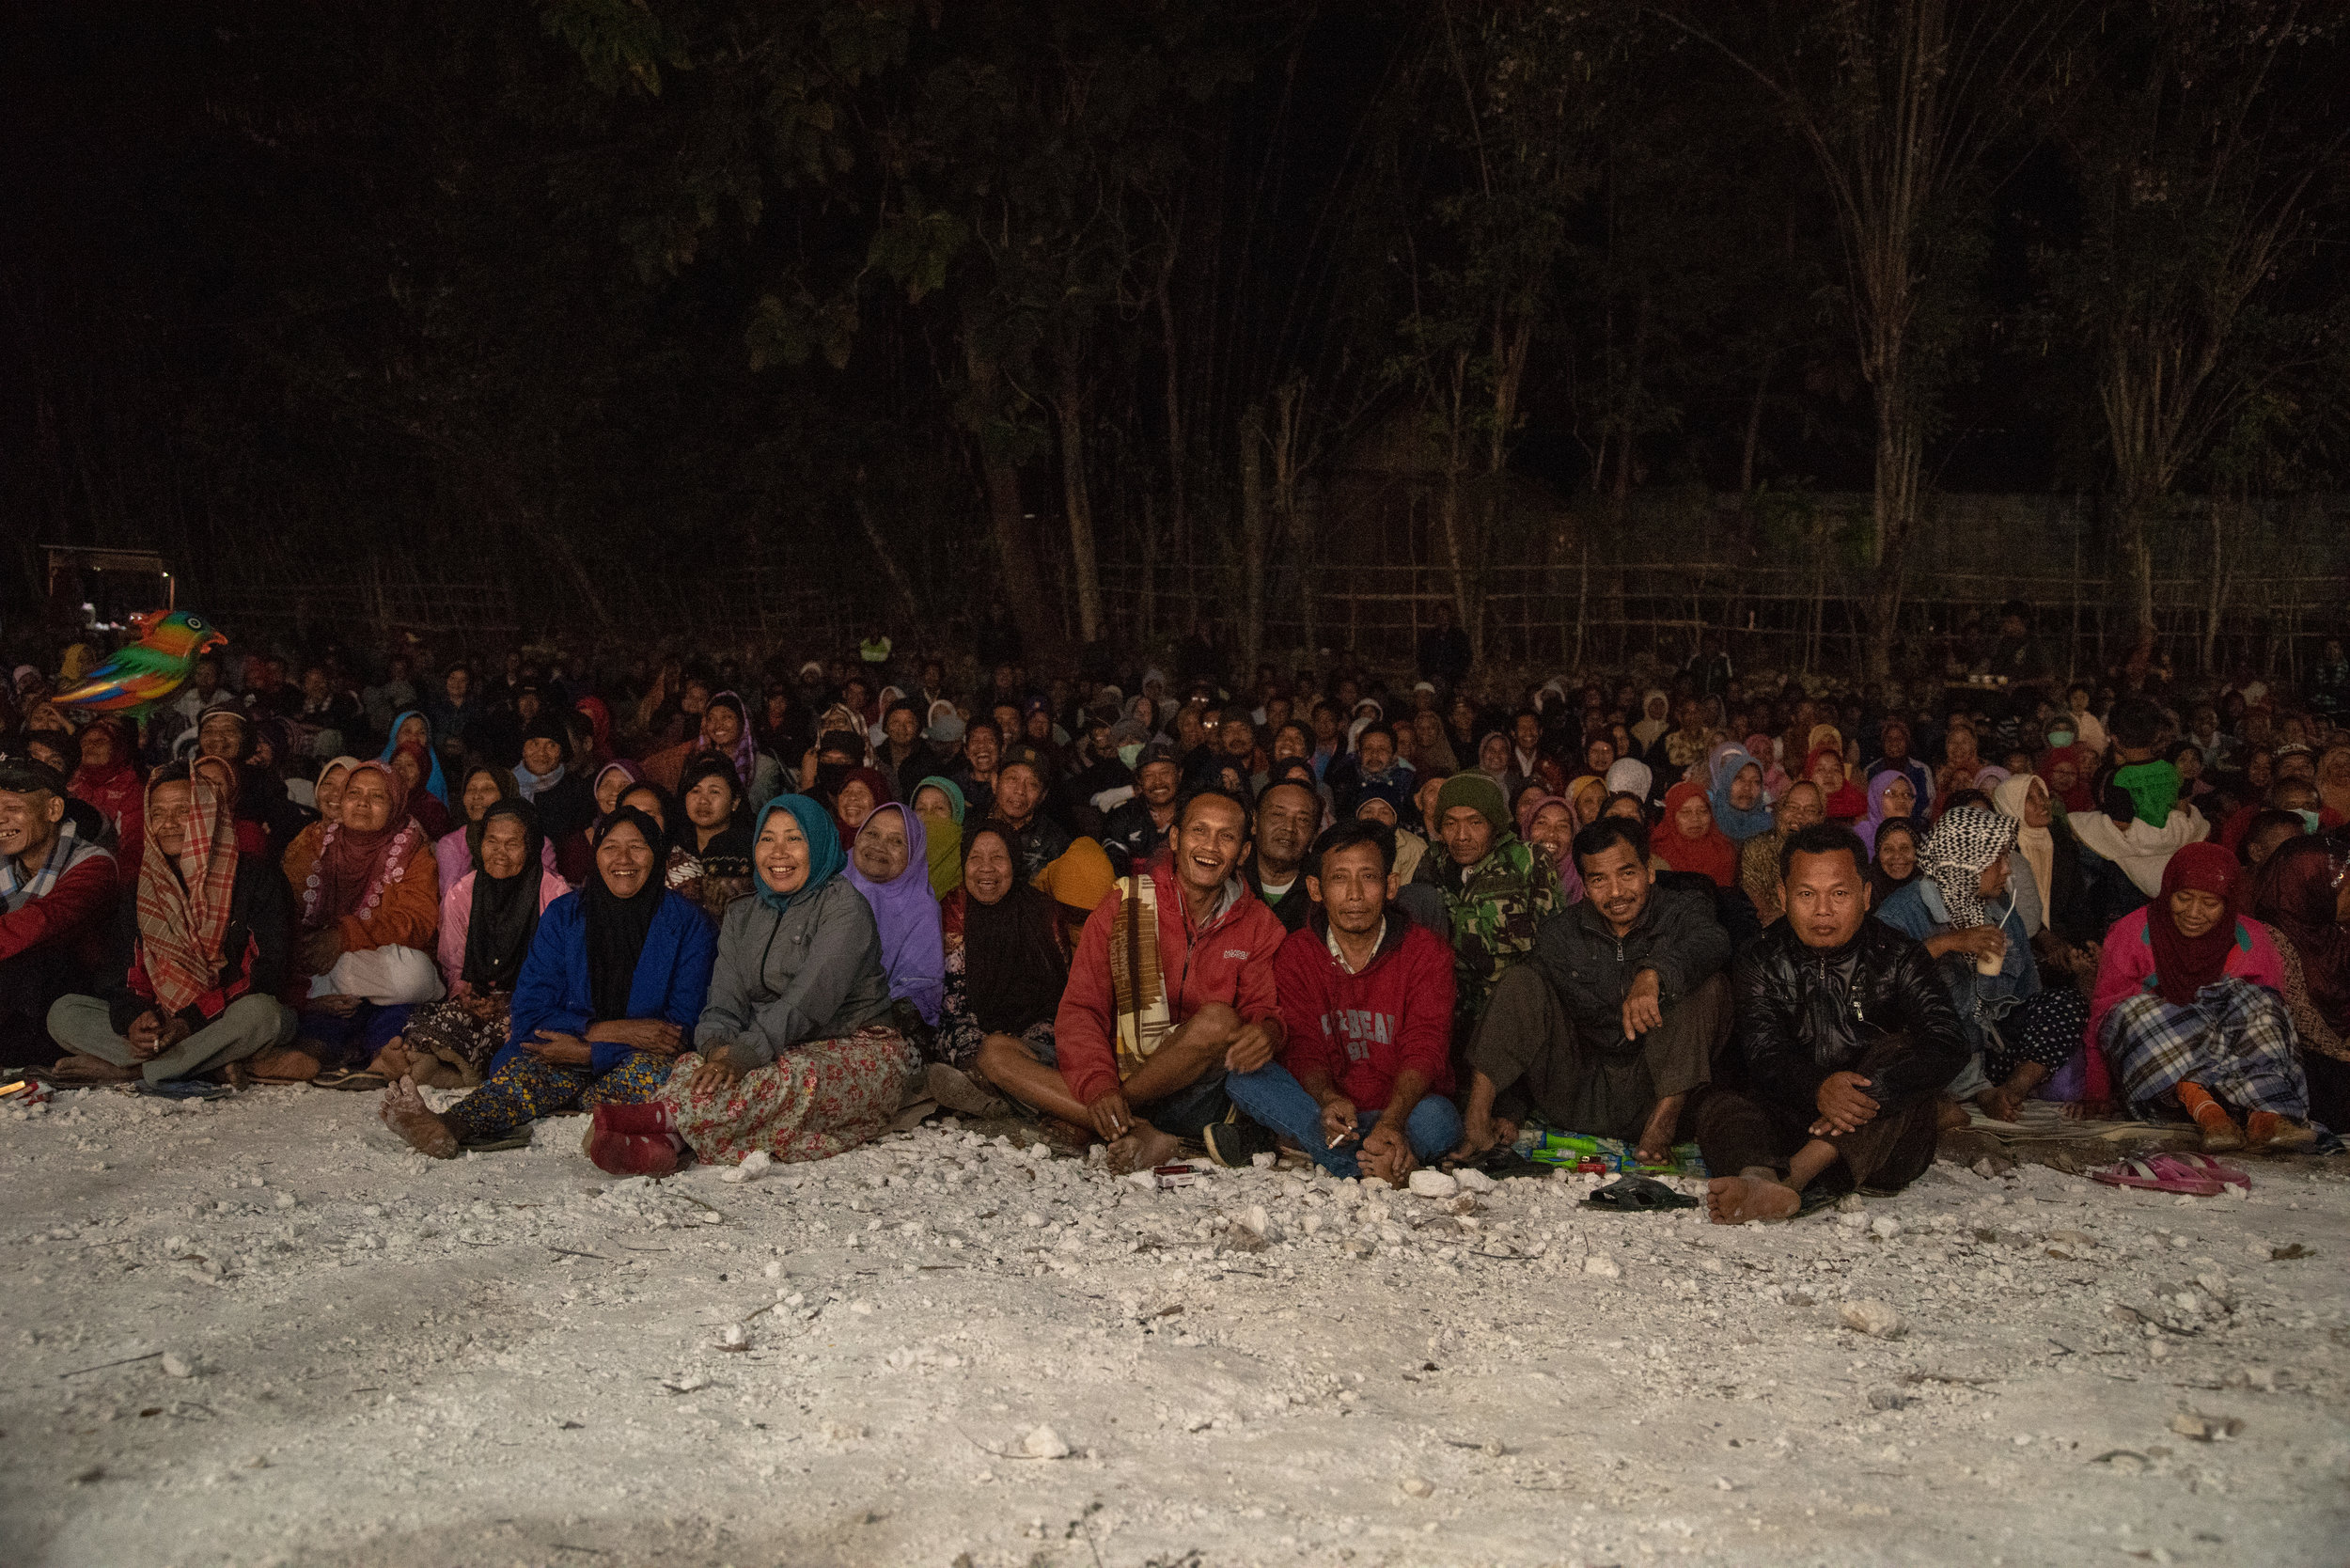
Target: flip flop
<point>2151,1176</point>
<point>180,1088</point>
<point>2203,1167</point>
<point>1638,1194</point>
<point>355,1079</point>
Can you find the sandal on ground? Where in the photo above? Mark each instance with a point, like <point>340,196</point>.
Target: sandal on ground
<point>2211,1169</point>
<point>1638,1194</point>
<point>2160,1173</point>
<point>352,1079</point>
<point>182,1089</point>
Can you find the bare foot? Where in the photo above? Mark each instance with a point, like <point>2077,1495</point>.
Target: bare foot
<point>91,1070</point>
<point>961,1091</point>
<point>283,1067</point>
<point>392,1061</point>
<point>1483,1134</point>
<point>404,1111</point>
<point>1141,1149</point>
<point>1999,1104</point>
<point>1740,1199</point>
<point>1950,1115</point>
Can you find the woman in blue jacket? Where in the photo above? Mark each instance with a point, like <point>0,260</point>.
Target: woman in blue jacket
<point>615,978</point>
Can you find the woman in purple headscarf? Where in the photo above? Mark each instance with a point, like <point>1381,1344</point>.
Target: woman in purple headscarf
<point>889,864</point>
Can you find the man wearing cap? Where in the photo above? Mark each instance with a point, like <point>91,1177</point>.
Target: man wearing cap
<point>1613,1021</point>
<point>1497,891</point>
<point>1020,786</point>
<point>1136,829</point>
<point>56,894</point>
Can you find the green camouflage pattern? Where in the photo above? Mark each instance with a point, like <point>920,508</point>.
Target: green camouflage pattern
<point>1495,906</point>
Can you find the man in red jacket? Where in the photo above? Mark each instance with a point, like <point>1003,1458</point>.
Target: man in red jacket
<point>1144,1065</point>
<point>56,893</point>
<point>1367,994</point>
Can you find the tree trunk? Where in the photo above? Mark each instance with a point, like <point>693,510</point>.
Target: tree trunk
<point>1754,434</point>
<point>1254,540</point>
<point>1041,634</point>
<point>899,582</point>
<point>1178,518</point>
<point>2134,548</point>
<point>1460,560</point>
<point>1893,511</point>
<point>1147,612</point>
<point>1076,496</point>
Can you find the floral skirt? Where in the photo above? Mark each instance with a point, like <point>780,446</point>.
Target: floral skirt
<point>818,1100</point>
<point>456,1044</point>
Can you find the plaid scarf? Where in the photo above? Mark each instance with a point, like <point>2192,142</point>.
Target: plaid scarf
<point>184,909</point>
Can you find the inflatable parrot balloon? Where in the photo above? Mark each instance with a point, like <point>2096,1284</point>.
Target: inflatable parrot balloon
<point>146,675</point>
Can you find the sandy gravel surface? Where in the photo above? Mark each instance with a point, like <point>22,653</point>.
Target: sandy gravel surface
<point>944,1348</point>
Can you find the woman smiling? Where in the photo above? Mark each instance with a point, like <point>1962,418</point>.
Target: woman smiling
<point>795,1055</point>
<point>614,976</point>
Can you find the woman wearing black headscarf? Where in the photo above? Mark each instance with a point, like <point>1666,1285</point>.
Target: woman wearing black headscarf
<point>1006,964</point>
<point>616,976</point>
<point>488,918</point>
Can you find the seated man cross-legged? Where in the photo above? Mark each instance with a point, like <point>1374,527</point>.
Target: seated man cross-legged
<point>1848,1036</point>
<point>1364,1081</point>
<point>1171,989</point>
<point>1615,1017</point>
<point>199,952</point>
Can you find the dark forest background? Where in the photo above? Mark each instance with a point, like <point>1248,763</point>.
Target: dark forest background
<point>648,309</point>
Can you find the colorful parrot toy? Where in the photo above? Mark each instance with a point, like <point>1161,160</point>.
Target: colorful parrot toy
<point>143,677</point>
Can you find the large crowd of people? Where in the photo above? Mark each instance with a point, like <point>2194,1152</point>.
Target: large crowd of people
<point>1377,923</point>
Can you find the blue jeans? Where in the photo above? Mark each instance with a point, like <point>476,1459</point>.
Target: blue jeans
<point>1275,1100</point>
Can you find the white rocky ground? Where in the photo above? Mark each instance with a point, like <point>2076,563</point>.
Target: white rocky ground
<point>328,1350</point>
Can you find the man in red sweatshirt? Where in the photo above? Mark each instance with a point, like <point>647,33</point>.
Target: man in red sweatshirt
<point>1368,997</point>
<point>56,894</point>
<point>1144,1065</point>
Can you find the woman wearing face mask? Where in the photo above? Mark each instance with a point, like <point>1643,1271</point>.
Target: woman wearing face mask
<point>796,1055</point>
<point>2188,1012</point>
<point>614,976</point>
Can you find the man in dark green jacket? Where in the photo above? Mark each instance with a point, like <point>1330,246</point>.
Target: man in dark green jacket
<point>1615,1017</point>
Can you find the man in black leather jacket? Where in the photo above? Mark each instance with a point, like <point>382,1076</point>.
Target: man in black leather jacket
<point>1614,1019</point>
<point>1848,1038</point>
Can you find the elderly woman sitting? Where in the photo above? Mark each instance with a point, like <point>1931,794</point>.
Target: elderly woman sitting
<point>489,915</point>
<point>367,907</point>
<point>797,1056</point>
<point>2188,1010</point>
<point>616,975</point>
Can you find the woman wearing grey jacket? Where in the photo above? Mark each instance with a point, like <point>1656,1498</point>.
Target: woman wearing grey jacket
<point>794,1056</point>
